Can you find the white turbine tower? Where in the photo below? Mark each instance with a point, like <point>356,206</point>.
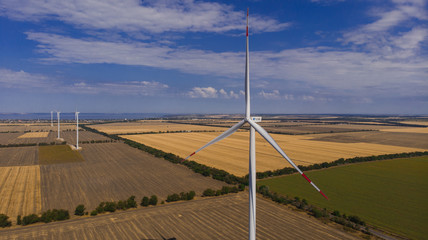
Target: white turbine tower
<point>57,116</point>
<point>51,118</point>
<point>253,127</point>
<point>76,114</point>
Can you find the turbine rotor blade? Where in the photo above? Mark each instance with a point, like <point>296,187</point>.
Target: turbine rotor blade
<point>272,142</point>
<point>224,135</point>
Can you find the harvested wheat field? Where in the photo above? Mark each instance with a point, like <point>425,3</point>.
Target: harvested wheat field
<point>112,172</point>
<point>223,217</point>
<point>20,190</point>
<point>70,136</point>
<point>35,127</point>
<point>231,154</point>
<point>150,126</point>
<point>408,130</point>
<point>18,156</point>
<point>34,135</point>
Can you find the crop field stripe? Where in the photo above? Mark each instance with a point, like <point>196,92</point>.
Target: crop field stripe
<point>389,194</point>
<point>231,154</point>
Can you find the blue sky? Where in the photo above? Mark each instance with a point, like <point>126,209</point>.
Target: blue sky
<point>306,56</point>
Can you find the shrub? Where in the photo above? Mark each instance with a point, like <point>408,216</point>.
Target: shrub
<point>153,200</point>
<point>54,215</point>
<point>94,213</point>
<point>145,201</point>
<point>30,219</point>
<point>4,222</point>
<point>100,208</point>
<point>80,210</point>
<point>173,197</point>
<point>18,220</point>
<point>110,207</point>
<point>357,220</point>
<point>131,203</point>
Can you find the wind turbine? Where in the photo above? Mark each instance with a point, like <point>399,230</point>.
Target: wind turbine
<point>51,118</point>
<point>252,161</point>
<point>57,116</point>
<point>76,115</point>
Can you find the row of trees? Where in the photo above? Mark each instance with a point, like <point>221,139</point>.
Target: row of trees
<point>146,201</point>
<point>46,217</point>
<point>113,206</point>
<point>352,221</point>
<point>186,196</point>
<point>224,190</point>
<point>341,161</point>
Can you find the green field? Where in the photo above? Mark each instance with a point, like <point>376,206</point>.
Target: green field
<point>58,154</point>
<point>390,194</point>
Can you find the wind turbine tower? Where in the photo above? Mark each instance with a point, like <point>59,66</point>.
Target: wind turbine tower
<point>252,158</point>
<point>57,116</point>
<point>77,130</point>
<point>51,118</point>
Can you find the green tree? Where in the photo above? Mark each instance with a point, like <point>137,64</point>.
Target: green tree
<point>94,213</point>
<point>80,210</point>
<point>131,203</point>
<point>19,220</point>
<point>4,222</point>
<point>145,201</point>
<point>153,200</point>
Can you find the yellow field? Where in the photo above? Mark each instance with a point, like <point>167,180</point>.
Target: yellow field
<point>422,123</point>
<point>231,154</point>
<point>155,126</point>
<point>34,135</point>
<point>20,191</point>
<point>407,130</point>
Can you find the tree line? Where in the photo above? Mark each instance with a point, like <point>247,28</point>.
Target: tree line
<point>350,222</point>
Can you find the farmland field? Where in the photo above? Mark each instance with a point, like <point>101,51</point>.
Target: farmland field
<point>34,135</point>
<point>150,126</point>
<point>223,217</point>
<point>393,138</point>
<point>112,172</point>
<point>58,154</point>
<point>231,154</point>
<point>389,194</point>
<point>35,127</point>
<point>68,136</point>
<point>18,156</point>
<point>20,190</point>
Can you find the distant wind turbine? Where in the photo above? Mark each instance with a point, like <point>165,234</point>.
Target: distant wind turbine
<point>76,114</point>
<point>57,116</point>
<point>51,118</point>
<point>253,127</point>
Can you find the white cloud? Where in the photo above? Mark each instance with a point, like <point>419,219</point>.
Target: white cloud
<point>231,94</point>
<point>143,88</point>
<point>23,80</point>
<point>324,67</point>
<point>270,95</point>
<point>210,92</point>
<point>377,34</point>
<point>198,92</point>
<point>135,15</point>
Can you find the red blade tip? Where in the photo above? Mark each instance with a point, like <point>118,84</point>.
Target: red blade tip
<point>324,195</point>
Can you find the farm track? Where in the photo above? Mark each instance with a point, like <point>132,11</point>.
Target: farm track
<point>223,217</point>
<point>112,172</point>
<point>20,190</point>
<point>231,154</point>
